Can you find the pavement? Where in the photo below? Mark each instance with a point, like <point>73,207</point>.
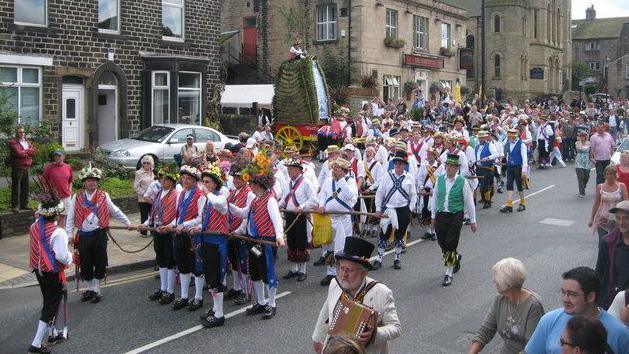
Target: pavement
<point>15,271</point>
<point>550,237</point>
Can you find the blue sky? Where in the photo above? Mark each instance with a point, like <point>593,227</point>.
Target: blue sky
<point>604,9</point>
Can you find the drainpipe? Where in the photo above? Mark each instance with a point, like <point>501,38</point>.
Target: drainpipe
<point>349,43</point>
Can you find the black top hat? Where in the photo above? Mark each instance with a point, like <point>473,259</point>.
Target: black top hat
<point>400,156</point>
<point>357,250</point>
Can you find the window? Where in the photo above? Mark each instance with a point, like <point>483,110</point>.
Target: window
<point>22,87</point>
<point>109,16</point>
<point>206,135</point>
<point>326,23</point>
<point>591,46</point>
<point>445,35</point>
<point>420,36</point>
<point>595,65</point>
<point>31,12</point>
<point>391,24</point>
<point>161,97</point>
<point>497,66</point>
<point>391,87</point>
<point>180,136</point>
<point>189,98</point>
<point>497,23</point>
<point>173,20</point>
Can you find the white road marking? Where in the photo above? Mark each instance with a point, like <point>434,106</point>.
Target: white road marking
<point>532,194</point>
<point>393,250</point>
<point>557,222</point>
<point>192,330</point>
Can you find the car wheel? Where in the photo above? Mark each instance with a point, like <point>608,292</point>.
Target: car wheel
<point>155,161</point>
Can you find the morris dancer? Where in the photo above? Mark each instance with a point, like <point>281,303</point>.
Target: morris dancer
<point>338,193</point>
<point>373,174</point>
<point>298,196</point>
<point>334,153</point>
<point>237,250</point>
<point>486,155</point>
<point>213,242</point>
<point>517,165</point>
<point>452,196</point>
<point>49,256</point>
<point>426,180</point>
<point>189,213</point>
<point>396,194</point>
<point>90,210</point>
<point>164,212</point>
<point>264,222</point>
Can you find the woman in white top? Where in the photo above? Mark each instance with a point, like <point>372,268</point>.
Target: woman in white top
<point>143,179</point>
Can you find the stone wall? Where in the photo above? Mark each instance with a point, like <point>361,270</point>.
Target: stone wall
<point>17,224</point>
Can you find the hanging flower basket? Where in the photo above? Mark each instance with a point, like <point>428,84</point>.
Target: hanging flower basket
<point>394,42</point>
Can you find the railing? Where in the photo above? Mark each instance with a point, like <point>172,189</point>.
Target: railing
<point>250,59</point>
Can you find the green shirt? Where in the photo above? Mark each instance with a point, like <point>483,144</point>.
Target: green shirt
<point>455,197</point>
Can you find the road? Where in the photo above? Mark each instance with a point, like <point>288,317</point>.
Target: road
<point>551,236</point>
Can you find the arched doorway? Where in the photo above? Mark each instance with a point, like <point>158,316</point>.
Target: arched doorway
<point>109,112</point>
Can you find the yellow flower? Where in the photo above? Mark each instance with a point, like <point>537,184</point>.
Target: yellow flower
<point>246,177</point>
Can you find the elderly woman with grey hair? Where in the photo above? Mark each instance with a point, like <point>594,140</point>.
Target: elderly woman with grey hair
<point>143,178</point>
<point>514,313</point>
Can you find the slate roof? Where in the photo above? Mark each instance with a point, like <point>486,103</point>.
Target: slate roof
<point>598,28</point>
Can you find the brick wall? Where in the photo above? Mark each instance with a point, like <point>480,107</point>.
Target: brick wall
<point>73,40</point>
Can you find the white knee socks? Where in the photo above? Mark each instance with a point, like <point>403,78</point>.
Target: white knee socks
<point>163,279</point>
<point>42,330</point>
<point>96,285</point>
<point>294,267</point>
<point>449,271</point>
<point>272,292</point>
<point>258,288</point>
<point>198,287</point>
<point>236,281</point>
<point>185,283</point>
<point>218,305</point>
<point>170,288</point>
<point>302,267</point>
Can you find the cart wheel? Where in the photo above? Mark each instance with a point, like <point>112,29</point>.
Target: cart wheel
<point>290,136</point>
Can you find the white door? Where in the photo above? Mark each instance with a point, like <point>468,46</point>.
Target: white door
<point>72,117</point>
<point>107,114</point>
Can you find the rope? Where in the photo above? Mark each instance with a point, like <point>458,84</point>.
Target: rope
<point>127,251</point>
<point>293,223</point>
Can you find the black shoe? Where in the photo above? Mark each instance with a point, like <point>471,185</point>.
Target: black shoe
<point>211,322</point>
<point>521,207</point>
<point>326,281</point>
<point>506,209</point>
<point>486,205</point>
<point>156,295</point>
<point>166,298</point>
<point>499,190</point>
<point>426,236</point>
<point>195,305</point>
<point>209,313</point>
<point>43,350</point>
<point>320,261</point>
<point>58,339</point>
<point>447,280</point>
<point>255,309</point>
<point>269,312</point>
<point>87,296</point>
<point>97,298</point>
<point>397,264</point>
<point>231,294</point>
<point>301,276</point>
<point>242,299</point>
<point>179,304</point>
<point>457,265</point>
<point>433,237</point>
<point>290,275</point>
<point>377,265</point>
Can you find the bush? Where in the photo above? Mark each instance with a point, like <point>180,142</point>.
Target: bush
<point>116,187</point>
<point>75,162</point>
<point>5,200</point>
<point>43,153</point>
<point>340,95</point>
<point>416,114</point>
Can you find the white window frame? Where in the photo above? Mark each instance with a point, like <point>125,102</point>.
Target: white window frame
<point>595,65</point>
<point>418,35</point>
<point>446,33</point>
<point>19,85</point>
<point>199,89</point>
<point>391,84</point>
<point>34,24</point>
<point>328,10</point>
<point>592,45</point>
<point>391,24</point>
<point>116,31</point>
<point>160,88</point>
<point>182,6</point>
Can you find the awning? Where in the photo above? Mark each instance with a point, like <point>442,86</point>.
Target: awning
<point>225,36</point>
<point>245,95</point>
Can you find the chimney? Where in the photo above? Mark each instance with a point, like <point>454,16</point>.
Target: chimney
<point>590,13</point>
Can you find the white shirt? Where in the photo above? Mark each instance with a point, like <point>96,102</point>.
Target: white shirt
<point>218,202</point>
<point>91,221</point>
<point>397,200</point>
<point>348,194</point>
<point>150,220</point>
<point>274,214</point>
<point>306,195</point>
<point>59,242</point>
<point>617,305</point>
<point>196,220</point>
<point>382,155</point>
<point>324,173</point>
<point>494,152</point>
<point>376,173</point>
<point>544,129</point>
<point>24,143</point>
<point>422,180</point>
<point>468,199</point>
<point>464,166</point>
<point>525,163</point>
<point>257,135</point>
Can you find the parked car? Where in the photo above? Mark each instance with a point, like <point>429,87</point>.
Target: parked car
<point>624,145</point>
<point>161,142</point>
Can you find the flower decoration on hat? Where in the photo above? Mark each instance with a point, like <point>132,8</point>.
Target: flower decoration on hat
<point>169,171</point>
<point>215,172</point>
<point>225,167</point>
<point>259,171</point>
<point>293,163</point>
<point>90,172</point>
<point>190,171</point>
<point>49,205</point>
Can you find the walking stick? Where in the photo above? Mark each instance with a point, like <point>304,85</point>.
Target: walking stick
<point>375,215</point>
<point>65,313</point>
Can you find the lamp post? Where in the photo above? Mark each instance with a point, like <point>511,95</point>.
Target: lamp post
<point>483,51</point>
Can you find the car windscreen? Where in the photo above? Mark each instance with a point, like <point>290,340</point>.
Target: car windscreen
<point>154,134</point>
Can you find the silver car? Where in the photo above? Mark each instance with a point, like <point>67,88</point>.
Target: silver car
<point>623,146</point>
<point>161,142</point>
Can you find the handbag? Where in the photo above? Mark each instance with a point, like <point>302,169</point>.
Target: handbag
<point>322,229</point>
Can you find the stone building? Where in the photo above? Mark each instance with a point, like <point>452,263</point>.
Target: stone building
<point>603,44</point>
<point>528,44</point>
<point>394,41</point>
<point>102,70</point>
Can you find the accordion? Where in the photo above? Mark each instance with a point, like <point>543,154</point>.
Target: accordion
<point>351,318</point>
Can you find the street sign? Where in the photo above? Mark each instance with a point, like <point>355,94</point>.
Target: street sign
<point>537,73</point>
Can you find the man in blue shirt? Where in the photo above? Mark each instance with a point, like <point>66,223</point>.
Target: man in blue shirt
<point>579,289</point>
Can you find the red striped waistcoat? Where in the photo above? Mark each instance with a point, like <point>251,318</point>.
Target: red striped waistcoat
<point>261,217</point>
<point>40,260</point>
<point>192,211</point>
<point>217,223</point>
<point>99,208</point>
<point>239,199</point>
<point>164,210</point>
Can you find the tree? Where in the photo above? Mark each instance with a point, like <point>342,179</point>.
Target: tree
<point>335,66</point>
<point>580,71</point>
